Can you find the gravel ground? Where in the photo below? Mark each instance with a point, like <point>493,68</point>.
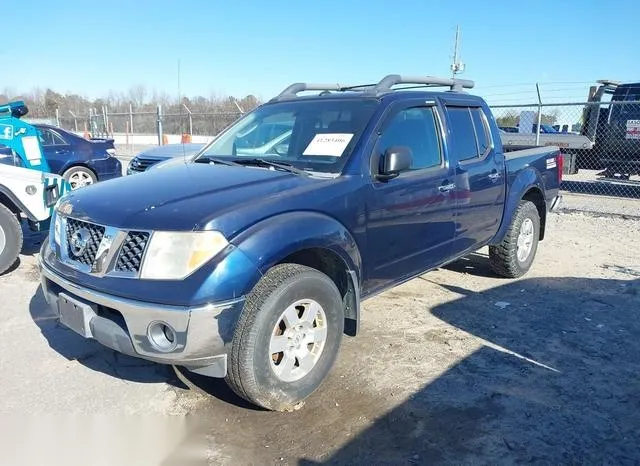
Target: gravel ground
<point>456,366</point>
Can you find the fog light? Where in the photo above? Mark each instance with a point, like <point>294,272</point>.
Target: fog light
<point>162,336</point>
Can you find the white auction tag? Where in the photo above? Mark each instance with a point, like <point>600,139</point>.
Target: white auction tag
<point>331,144</point>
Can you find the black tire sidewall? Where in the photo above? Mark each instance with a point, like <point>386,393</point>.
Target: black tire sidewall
<point>13,236</point>
<point>307,285</point>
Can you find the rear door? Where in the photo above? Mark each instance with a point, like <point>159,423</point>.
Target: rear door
<point>409,218</point>
<point>479,175</point>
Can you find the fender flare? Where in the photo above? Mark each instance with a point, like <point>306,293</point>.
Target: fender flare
<point>12,197</point>
<point>527,179</point>
<point>271,240</point>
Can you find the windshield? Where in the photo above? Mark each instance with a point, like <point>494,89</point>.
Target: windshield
<point>314,135</point>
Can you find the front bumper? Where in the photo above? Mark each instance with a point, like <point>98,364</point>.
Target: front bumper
<point>202,334</point>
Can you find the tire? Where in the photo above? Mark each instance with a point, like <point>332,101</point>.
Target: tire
<point>504,257</point>
<point>253,369</point>
<point>10,239</point>
<point>79,177</point>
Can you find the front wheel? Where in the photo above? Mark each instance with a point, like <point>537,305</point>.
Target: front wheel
<point>287,338</point>
<point>513,257</point>
<point>10,238</point>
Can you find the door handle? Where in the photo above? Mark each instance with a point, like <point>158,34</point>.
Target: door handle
<point>494,176</point>
<point>445,188</point>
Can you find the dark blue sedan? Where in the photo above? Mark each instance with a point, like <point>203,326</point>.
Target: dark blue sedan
<point>80,161</point>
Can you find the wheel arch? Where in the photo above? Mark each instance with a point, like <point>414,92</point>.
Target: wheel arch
<point>534,194</point>
<point>526,186</point>
<point>320,242</point>
<point>11,202</point>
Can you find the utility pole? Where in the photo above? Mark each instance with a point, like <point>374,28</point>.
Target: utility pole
<point>457,66</point>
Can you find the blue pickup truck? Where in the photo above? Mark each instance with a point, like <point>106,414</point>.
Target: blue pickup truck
<point>252,268</point>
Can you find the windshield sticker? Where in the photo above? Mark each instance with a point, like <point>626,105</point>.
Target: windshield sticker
<point>329,144</point>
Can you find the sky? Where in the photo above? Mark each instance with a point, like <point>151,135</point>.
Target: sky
<point>259,47</point>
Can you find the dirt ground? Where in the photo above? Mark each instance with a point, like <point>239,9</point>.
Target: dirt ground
<point>454,367</point>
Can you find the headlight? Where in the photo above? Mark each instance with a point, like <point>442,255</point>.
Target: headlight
<point>55,231</point>
<point>112,152</point>
<point>174,255</point>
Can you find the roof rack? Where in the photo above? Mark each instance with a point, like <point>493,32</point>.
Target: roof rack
<point>391,80</point>
<point>383,86</point>
<point>292,91</point>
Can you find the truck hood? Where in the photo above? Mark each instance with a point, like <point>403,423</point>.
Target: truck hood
<point>170,151</point>
<point>180,198</point>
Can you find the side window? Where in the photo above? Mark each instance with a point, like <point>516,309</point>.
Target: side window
<point>415,128</point>
<point>470,133</point>
<point>463,141</point>
<point>482,132</point>
<point>49,138</point>
<point>57,139</point>
<point>45,137</point>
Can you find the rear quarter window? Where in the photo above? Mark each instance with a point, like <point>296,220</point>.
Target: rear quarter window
<point>469,131</point>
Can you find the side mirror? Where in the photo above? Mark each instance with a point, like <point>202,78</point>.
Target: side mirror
<point>395,160</point>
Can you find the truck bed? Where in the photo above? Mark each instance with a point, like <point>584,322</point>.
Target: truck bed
<point>564,141</point>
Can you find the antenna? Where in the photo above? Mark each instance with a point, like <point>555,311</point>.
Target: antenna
<point>179,93</point>
<point>457,66</point>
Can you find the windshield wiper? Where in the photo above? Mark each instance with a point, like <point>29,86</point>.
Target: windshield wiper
<point>208,159</point>
<point>268,163</point>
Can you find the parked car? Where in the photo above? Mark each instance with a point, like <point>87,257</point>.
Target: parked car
<point>148,158</point>
<point>78,160</point>
<point>252,268</point>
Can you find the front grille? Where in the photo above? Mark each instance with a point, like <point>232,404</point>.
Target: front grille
<point>140,164</point>
<point>83,240</point>
<point>132,251</point>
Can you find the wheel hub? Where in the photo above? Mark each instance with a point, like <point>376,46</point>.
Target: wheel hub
<point>297,340</point>
<point>80,179</point>
<point>525,240</point>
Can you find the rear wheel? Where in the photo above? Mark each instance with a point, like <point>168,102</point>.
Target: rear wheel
<point>287,338</point>
<point>10,238</point>
<point>79,177</point>
<point>513,257</point>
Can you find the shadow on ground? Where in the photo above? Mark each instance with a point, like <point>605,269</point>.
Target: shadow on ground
<point>553,382</point>
<point>474,264</point>
<point>92,354</point>
<point>556,383</point>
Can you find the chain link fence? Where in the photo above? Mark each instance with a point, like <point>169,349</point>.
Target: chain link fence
<point>600,141</point>
<point>137,131</point>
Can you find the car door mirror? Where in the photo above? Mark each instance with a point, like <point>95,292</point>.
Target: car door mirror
<point>395,160</point>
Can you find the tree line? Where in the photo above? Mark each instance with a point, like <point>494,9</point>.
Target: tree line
<point>76,112</point>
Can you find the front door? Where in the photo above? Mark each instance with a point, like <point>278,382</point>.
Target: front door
<point>410,218</point>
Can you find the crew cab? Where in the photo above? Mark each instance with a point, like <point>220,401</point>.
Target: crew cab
<point>253,267</point>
